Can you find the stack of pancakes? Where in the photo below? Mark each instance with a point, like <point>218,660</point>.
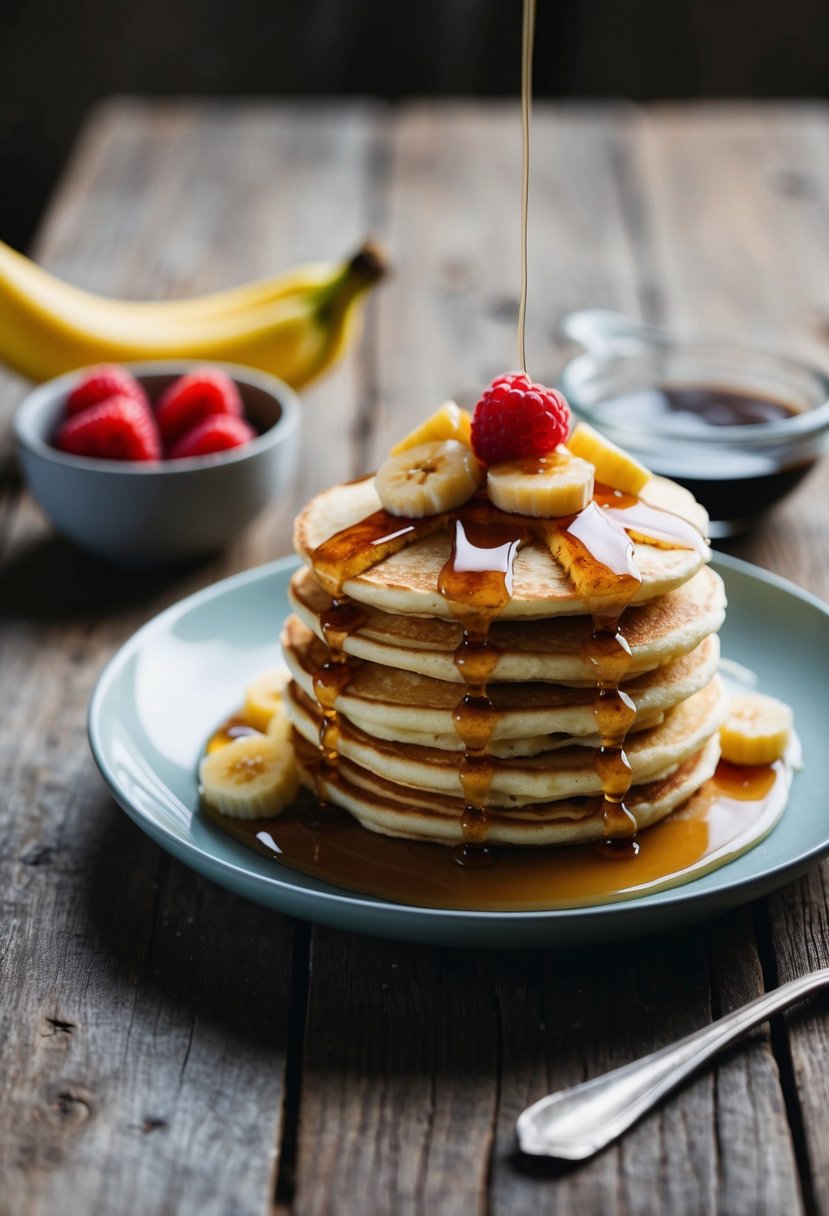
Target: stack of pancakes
<point>399,752</point>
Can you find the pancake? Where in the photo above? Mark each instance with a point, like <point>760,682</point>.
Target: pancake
<point>527,745</point>
<point>477,675</point>
<point>382,806</point>
<point>556,774</point>
<point>554,650</point>
<point>397,704</point>
<point>406,582</point>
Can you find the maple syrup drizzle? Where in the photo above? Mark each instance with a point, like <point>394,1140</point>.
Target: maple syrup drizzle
<point>470,580</point>
<point>330,680</point>
<point>527,41</point>
<point>235,727</point>
<point>733,811</point>
<point>477,581</point>
<point>340,619</point>
<point>355,549</point>
<point>594,548</point>
<point>346,554</point>
<point>653,523</point>
<point>596,538</point>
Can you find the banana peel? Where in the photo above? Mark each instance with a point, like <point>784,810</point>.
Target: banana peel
<point>294,326</point>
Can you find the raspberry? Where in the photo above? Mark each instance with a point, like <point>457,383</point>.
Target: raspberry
<point>200,394</point>
<point>119,428</point>
<point>216,433</point>
<point>103,382</point>
<point>516,418</point>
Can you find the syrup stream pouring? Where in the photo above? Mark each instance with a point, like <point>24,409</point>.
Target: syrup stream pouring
<point>575,1123</point>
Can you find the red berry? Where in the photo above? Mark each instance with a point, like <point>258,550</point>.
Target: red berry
<point>116,429</point>
<point>214,434</point>
<point>103,382</point>
<point>200,394</point>
<point>516,418</point>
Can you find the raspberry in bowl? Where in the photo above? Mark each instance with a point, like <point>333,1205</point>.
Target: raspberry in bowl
<point>98,463</point>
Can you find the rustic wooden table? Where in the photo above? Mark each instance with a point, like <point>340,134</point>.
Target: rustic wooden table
<point>167,1048</point>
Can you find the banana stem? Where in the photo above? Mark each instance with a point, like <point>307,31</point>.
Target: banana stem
<point>367,265</point>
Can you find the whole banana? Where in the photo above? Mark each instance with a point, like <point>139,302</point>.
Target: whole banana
<point>294,326</point>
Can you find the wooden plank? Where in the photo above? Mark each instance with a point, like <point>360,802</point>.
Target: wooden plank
<point>398,1087</point>
<point>744,186</point>
<point>448,326</point>
<point>757,262</point>
<point>577,1013</point>
<point>754,265</point>
<point>408,1092</point>
<point>143,1012</point>
<point>720,1143</point>
<point>757,1158</point>
<point>799,931</point>
<point>687,1132</point>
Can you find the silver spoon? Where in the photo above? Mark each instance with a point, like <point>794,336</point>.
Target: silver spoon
<point>575,1123</point>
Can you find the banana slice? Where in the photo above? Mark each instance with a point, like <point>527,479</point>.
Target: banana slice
<point>279,727</point>
<point>543,486</point>
<point>254,777</point>
<point>428,479</point>
<point>757,729</point>
<point>614,467</point>
<point>264,696</point>
<point>449,422</point>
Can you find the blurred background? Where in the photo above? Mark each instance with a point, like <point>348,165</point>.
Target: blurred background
<point>57,59</point>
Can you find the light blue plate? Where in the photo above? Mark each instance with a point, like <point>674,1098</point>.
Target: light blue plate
<point>166,689</point>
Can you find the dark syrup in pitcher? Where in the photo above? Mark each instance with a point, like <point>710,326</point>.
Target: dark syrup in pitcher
<point>733,484</point>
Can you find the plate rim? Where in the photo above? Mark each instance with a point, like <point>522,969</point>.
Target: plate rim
<point>184,848</point>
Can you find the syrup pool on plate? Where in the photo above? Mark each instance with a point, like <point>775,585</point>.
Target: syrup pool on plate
<point>730,814</point>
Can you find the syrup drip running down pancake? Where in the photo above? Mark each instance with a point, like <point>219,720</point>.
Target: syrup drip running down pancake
<point>547,649</point>
<point>383,806</point>
<point>405,582</point>
<point>398,705</point>
<point>562,773</point>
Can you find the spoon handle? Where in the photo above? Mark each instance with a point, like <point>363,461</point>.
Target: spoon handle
<point>575,1123</point>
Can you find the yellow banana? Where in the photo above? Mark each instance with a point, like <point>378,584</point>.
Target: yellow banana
<point>428,479</point>
<point>263,696</point>
<point>757,729</point>
<point>20,274</point>
<point>294,326</point>
<point>449,422</point>
<point>545,486</point>
<point>614,466</point>
<point>252,777</point>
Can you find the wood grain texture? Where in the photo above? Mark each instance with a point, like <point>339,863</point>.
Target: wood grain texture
<point>608,48</point>
<point>749,187</point>
<point>146,1017</point>
<point>399,1084</point>
<point>143,1012</point>
<point>450,327</point>
<point>746,187</point>
<point>454,223</point>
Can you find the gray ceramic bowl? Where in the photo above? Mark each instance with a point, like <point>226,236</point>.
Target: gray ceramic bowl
<point>140,514</point>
